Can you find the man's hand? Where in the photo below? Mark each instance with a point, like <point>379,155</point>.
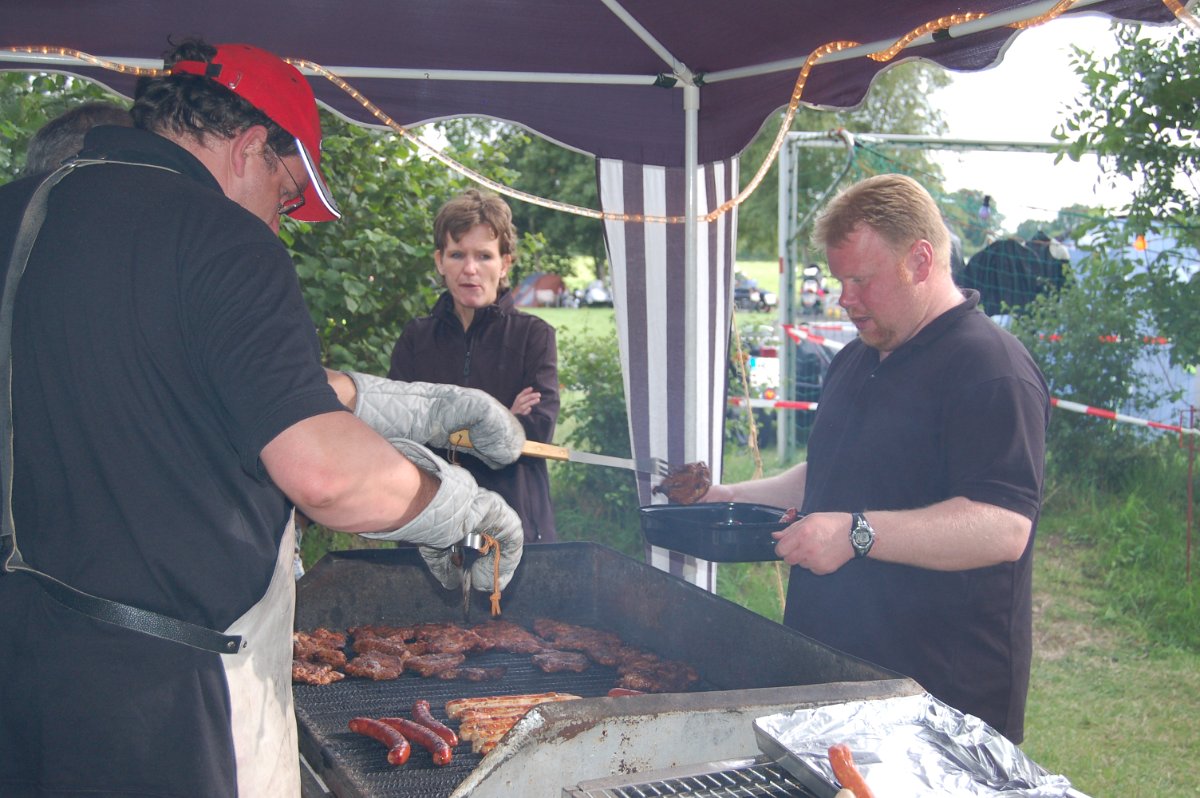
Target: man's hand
<point>429,413</point>
<point>458,508</point>
<point>819,542</point>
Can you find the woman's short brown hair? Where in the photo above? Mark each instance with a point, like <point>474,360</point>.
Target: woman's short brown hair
<point>474,207</point>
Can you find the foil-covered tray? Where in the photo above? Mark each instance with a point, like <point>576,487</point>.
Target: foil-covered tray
<point>915,746</point>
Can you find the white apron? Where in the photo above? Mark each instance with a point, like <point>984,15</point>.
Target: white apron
<point>260,687</point>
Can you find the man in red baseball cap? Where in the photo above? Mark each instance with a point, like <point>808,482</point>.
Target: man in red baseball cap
<point>276,88</point>
<point>169,411</point>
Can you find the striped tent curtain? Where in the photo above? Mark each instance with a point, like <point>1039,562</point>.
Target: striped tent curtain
<point>672,321</point>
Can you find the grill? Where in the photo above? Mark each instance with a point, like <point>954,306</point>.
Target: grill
<point>749,667</point>
<point>748,778</point>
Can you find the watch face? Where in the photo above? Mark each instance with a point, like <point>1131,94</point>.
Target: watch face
<point>862,536</point>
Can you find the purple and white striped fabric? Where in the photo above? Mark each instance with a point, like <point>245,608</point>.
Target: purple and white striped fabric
<point>672,323</point>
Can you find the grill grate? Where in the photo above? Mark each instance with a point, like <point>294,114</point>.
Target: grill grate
<point>748,779</point>
<point>356,767</point>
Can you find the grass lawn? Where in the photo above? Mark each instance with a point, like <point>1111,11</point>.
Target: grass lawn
<point>1117,717</point>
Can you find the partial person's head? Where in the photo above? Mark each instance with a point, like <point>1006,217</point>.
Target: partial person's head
<point>475,244</point>
<point>62,137</point>
<point>256,113</point>
<point>886,242</point>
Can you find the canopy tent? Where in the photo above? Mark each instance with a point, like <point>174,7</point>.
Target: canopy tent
<point>665,93</point>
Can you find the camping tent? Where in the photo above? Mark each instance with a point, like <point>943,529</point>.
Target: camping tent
<point>665,93</point>
<point>540,289</point>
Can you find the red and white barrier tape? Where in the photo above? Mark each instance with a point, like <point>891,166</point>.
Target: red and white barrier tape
<point>800,334</point>
<point>773,403</point>
<point>1063,404</point>
<point>1112,415</point>
<point>1113,339</point>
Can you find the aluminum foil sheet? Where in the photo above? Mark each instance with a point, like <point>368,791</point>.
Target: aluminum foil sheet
<point>913,746</point>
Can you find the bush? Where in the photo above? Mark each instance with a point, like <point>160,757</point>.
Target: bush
<point>595,504</point>
<point>1086,340</point>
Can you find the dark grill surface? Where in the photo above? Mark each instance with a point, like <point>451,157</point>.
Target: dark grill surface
<point>323,711</point>
<point>579,583</point>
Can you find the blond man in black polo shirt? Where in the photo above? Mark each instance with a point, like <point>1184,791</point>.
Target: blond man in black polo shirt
<point>923,484</point>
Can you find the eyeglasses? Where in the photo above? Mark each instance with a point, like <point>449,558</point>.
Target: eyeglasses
<point>296,202</point>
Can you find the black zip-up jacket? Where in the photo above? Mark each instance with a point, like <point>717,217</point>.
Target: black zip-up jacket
<point>502,352</point>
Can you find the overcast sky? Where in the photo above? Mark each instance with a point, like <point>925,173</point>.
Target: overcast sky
<point>1023,99</point>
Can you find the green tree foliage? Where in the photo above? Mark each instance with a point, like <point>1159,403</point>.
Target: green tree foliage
<point>1067,225</point>
<point>897,103</point>
<point>962,212</point>
<point>29,100</point>
<point>548,170</point>
<point>1139,114</point>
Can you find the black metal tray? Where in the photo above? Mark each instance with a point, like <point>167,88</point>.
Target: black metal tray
<point>715,531</point>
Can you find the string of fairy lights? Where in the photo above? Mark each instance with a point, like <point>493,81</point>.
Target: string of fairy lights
<point>824,51</point>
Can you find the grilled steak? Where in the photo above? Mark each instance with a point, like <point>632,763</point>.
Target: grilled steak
<point>508,637</point>
<point>433,664</point>
<point>473,674</point>
<point>376,666</point>
<point>314,673</point>
<point>561,661</point>
<point>686,484</point>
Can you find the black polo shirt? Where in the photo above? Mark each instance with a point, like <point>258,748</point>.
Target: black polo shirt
<point>960,410</point>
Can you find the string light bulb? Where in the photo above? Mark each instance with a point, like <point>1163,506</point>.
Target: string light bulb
<point>985,210</point>
<point>1139,243</point>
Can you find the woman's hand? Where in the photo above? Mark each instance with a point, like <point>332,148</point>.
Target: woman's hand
<point>526,400</point>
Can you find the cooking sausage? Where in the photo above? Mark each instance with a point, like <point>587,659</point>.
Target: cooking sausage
<point>421,714</point>
<point>424,737</point>
<point>618,692</point>
<point>845,771</point>
<point>398,746</point>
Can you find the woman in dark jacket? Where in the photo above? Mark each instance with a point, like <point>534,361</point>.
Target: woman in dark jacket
<point>476,338</point>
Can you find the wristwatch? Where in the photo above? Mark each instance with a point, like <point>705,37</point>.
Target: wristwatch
<point>862,536</point>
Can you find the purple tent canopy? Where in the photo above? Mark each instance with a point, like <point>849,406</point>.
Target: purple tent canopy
<point>604,99</point>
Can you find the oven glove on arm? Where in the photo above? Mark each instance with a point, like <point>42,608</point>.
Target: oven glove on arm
<point>428,413</point>
<point>459,508</point>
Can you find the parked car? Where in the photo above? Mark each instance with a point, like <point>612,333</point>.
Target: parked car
<point>595,295</point>
<point>748,296</point>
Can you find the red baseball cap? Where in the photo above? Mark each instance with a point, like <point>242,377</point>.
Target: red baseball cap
<point>276,88</point>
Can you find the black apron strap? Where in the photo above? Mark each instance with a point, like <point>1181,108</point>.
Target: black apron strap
<point>101,609</point>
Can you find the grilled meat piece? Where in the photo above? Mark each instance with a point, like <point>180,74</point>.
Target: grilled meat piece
<point>602,647</point>
<point>432,664</point>
<point>473,674</point>
<point>449,638</point>
<point>380,630</point>
<point>304,672</point>
<point>509,637</point>
<point>319,646</point>
<point>561,661</point>
<point>389,645</point>
<point>656,675</point>
<point>376,666</point>
<point>484,721</point>
<point>685,484</point>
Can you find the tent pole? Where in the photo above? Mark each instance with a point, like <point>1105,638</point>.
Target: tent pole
<point>691,113</point>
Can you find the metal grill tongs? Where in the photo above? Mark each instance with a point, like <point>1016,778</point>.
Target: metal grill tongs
<point>653,466</point>
<point>464,554</point>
